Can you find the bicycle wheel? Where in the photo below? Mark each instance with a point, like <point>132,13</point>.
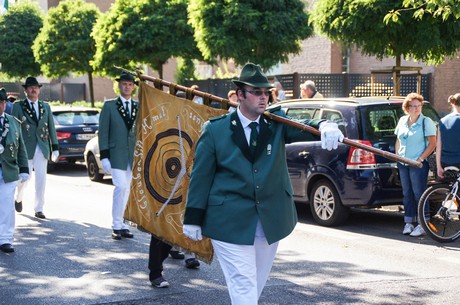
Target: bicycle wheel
<point>439,213</point>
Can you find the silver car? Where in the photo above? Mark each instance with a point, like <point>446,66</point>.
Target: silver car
<point>93,160</point>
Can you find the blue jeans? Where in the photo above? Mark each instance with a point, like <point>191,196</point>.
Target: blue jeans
<point>414,182</point>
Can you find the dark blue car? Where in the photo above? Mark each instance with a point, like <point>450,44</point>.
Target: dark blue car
<point>333,181</point>
<point>75,126</point>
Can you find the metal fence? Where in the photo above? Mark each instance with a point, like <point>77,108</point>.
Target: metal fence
<point>329,85</point>
<point>66,93</point>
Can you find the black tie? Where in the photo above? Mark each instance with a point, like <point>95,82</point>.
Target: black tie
<point>32,105</point>
<point>253,137</point>
<point>127,110</point>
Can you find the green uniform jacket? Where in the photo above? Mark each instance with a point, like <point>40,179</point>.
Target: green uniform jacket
<point>14,157</point>
<point>229,192</point>
<point>41,132</point>
<point>117,133</point>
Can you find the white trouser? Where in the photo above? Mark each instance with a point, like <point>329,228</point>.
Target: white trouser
<point>121,179</point>
<point>246,268</point>
<point>38,165</point>
<point>7,215</point>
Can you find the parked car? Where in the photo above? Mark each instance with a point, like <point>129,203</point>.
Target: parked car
<point>93,160</point>
<point>75,126</point>
<point>333,181</point>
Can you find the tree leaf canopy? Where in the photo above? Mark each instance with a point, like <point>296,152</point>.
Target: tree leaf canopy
<point>18,29</point>
<point>361,22</point>
<point>263,32</point>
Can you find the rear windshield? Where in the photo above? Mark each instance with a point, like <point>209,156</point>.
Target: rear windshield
<point>379,121</point>
<point>76,118</point>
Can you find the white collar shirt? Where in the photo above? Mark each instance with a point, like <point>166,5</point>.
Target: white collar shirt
<point>245,123</point>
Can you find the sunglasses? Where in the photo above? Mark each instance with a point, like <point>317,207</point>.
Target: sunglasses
<point>259,92</point>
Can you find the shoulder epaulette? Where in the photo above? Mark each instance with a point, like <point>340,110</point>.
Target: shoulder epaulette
<point>12,116</point>
<point>216,118</point>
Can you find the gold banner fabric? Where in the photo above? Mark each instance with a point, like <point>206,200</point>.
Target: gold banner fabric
<point>168,128</point>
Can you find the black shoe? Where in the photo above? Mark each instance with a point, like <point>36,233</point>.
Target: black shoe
<point>160,282</point>
<point>176,254</point>
<point>116,234</point>
<point>192,263</point>
<point>126,234</point>
<point>18,206</point>
<point>40,215</point>
<point>7,248</point>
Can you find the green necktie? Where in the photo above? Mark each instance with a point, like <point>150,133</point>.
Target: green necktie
<point>253,137</point>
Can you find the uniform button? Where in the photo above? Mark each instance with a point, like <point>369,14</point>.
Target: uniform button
<point>255,171</point>
<point>258,202</point>
<point>257,187</point>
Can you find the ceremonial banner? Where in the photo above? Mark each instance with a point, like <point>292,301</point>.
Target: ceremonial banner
<point>168,128</point>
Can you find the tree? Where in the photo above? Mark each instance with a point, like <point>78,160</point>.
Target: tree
<point>185,70</point>
<point>263,32</point>
<point>18,29</point>
<point>64,44</point>
<point>441,9</point>
<point>361,23</point>
<point>143,31</point>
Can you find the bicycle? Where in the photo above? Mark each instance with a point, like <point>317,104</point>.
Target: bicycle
<point>438,208</point>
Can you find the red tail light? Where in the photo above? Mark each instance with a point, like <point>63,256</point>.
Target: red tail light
<point>361,159</point>
<point>63,135</point>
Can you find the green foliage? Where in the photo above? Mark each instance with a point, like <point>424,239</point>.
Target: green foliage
<point>149,32</point>
<point>361,22</point>
<point>185,70</point>
<point>65,44</point>
<point>263,32</point>
<point>223,72</point>
<point>445,10</point>
<point>18,29</point>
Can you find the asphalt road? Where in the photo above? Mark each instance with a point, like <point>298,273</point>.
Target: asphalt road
<point>69,258</point>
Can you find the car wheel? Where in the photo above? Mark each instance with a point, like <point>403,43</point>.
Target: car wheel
<point>93,169</point>
<point>325,204</point>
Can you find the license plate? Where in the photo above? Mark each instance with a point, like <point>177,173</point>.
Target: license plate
<point>85,136</point>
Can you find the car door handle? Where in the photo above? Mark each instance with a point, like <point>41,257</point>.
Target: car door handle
<point>304,154</point>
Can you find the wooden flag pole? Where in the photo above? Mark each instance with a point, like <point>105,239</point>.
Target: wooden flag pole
<point>159,82</point>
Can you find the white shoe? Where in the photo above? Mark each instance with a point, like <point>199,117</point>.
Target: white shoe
<point>408,228</point>
<point>418,231</point>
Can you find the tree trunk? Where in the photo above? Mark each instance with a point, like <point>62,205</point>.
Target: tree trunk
<point>160,70</point>
<point>91,88</point>
<point>397,77</point>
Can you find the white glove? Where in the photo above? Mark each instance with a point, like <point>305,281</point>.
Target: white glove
<point>55,155</point>
<point>106,165</point>
<point>193,232</point>
<point>23,177</point>
<point>330,135</point>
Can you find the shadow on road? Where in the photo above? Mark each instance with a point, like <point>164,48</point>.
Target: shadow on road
<point>385,223</point>
<point>74,170</point>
